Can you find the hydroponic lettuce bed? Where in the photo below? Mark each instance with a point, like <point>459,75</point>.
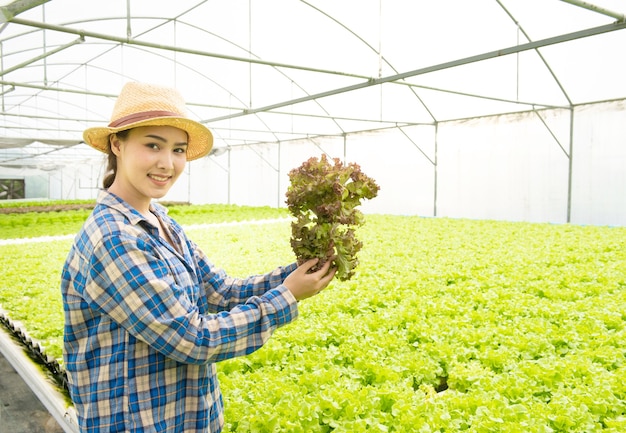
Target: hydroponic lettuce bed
<point>447,325</point>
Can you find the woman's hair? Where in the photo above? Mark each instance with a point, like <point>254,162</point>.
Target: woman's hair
<point>111,171</point>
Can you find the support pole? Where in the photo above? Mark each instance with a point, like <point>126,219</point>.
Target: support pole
<point>571,165</point>
<point>435,166</point>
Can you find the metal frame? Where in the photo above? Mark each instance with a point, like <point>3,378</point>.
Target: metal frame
<point>11,11</point>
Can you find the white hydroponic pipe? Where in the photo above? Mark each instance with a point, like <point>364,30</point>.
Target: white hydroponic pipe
<point>49,396</point>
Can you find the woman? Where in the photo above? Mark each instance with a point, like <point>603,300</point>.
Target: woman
<point>147,315</point>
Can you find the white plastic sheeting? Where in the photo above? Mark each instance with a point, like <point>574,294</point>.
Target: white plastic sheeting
<point>507,167</point>
<point>498,109</point>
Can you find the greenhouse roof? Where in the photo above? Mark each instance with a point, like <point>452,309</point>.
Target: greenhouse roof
<point>269,72</point>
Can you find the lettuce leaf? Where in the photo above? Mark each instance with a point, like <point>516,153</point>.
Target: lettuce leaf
<point>323,196</point>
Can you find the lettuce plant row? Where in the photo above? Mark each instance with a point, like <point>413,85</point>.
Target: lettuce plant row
<point>33,224</point>
<point>446,326</point>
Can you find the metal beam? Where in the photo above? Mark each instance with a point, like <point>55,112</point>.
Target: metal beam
<point>467,60</point>
<point>42,56</point>
<point>128,41</point>
<point>586,5</point>
<point>16,7</point>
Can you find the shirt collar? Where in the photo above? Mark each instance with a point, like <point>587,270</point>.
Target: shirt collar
<point>108,199</point>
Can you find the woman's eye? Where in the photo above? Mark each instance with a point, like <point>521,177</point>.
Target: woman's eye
<point>180,150</point>
<point>152,146</point>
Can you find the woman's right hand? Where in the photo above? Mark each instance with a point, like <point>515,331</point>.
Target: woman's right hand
<point>303,284</point>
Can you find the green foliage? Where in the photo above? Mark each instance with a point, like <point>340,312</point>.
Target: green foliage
<point>447,326</point>
<point>21,204</point>
<point>217,213</point>
<point>29,289</point>
<point>324,197</point>
<point>33,224</point>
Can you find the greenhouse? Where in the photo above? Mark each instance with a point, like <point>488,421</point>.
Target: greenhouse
<point>492,109</point>
<point>489,294</point>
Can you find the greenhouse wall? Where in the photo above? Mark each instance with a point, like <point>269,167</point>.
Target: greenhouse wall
<point>509,167</point>
<point>35,185</point>
<point>512,167</point>
<point>504,168</point>
<point>599,179</point>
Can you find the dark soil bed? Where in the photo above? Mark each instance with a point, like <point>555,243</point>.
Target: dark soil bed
<point>46,208</point>
<point>65,207</point>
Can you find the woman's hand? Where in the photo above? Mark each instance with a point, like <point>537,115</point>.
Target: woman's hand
<point>303,285</point>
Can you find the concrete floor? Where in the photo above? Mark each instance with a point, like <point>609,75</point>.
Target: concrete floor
<point>20,410</point>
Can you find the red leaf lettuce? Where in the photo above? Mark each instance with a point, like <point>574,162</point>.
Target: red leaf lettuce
<point>323,197</point>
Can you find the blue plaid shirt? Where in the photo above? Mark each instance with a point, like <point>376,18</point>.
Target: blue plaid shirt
<point>145,322</point>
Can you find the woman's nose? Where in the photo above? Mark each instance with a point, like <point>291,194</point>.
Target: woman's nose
<point>165,160</point>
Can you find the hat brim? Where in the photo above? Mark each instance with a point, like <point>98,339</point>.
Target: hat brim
<point>199,144</point>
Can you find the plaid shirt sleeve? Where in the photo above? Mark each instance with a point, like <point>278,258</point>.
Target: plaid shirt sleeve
<point>224,292</point>
<point>156,302</point>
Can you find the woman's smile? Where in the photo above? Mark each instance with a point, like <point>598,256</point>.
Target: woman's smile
<point>159,178</point>
<point>150,159</point>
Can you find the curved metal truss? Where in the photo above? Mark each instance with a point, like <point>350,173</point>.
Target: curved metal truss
<point>272,73</point>
<point>258,72</point>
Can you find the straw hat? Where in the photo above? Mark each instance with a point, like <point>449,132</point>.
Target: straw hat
<point>141,104</point>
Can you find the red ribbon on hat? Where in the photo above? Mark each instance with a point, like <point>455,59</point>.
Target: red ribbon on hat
<point>138,117</point>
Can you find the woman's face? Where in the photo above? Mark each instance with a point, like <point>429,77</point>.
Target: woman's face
<point>149,160</point>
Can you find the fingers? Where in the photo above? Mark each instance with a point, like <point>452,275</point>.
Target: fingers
<point>308,265</point>
<point>303,284</point>
<point>324,275</point>
<point>325,280</point>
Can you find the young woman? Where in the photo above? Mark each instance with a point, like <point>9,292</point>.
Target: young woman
<point>147,314</point>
